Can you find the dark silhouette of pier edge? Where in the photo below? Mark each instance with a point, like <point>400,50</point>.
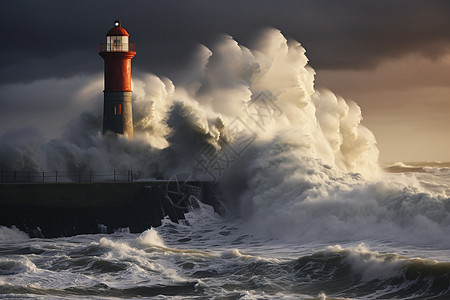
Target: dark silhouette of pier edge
<point>66,209</point>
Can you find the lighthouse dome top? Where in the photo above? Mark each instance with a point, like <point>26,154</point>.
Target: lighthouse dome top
<point>117,29</point>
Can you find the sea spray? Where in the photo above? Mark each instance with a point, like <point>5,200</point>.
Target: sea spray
<point>150,237</point>
<point>12,234</point>
<point>221,85</point>
<point>305,201</point>
<point>293,162</point>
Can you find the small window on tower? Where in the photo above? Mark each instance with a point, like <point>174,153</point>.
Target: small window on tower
<point>117,109</point>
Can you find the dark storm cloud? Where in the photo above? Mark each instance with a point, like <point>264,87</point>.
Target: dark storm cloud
<point>54,39</point>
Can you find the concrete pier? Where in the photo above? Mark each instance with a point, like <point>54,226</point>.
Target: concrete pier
<point>66,209</point>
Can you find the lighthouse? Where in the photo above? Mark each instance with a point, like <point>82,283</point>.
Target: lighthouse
<point>117,53</point>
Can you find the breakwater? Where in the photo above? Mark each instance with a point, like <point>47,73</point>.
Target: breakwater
<point>67,209</point>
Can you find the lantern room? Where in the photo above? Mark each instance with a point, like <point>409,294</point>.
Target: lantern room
<point>117,39</point>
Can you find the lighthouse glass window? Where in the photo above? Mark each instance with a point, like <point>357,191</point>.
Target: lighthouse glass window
<point>117,43</point>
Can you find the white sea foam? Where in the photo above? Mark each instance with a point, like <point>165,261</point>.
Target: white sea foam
<point>150,237</point>
<point>12,267</point>
<point>320,204</point>
<point>12,234</point>
<point>373,265</point>
<point>141,261</point>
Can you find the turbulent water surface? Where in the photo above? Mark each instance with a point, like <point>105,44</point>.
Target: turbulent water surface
<point>309,213</point>
<point>214,257</point>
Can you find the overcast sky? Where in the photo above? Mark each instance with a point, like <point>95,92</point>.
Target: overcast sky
<point>391,57</point>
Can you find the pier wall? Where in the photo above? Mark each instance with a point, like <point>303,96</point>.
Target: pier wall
<point>67,209</point>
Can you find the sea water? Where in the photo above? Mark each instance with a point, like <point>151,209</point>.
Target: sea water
<point>308,215</point>
<point>208,256</point>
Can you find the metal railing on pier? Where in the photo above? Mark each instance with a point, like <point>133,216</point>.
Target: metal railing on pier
<point>65,176</point>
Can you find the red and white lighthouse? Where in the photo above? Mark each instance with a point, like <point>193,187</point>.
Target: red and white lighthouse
<point>117,54</point>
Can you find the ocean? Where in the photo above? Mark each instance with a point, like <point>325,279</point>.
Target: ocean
<point>307,211</point>
<point>208,256</point>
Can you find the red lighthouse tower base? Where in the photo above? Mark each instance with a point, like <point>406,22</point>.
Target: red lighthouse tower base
<point>117,54</point>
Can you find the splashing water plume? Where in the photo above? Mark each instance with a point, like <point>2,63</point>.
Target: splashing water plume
<point>220,87</point>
